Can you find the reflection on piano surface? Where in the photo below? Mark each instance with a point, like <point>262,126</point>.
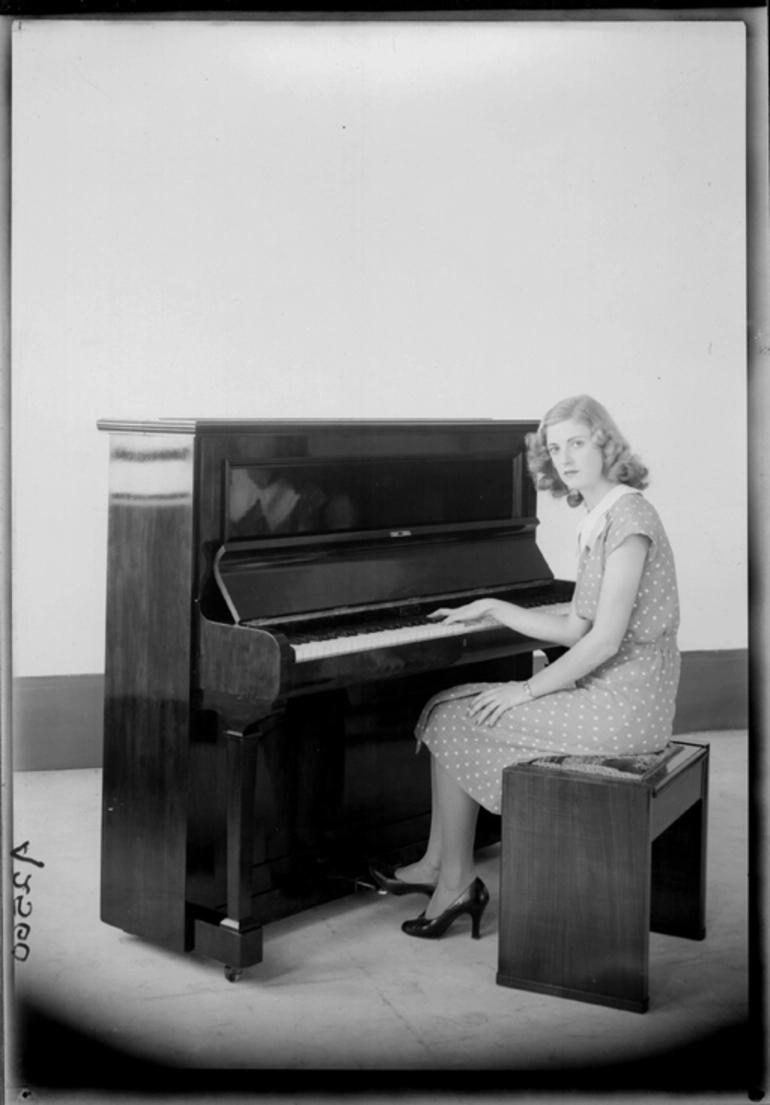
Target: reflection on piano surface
<point>269,648</point>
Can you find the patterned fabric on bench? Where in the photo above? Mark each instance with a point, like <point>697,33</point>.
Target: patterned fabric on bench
<point>631,768</point>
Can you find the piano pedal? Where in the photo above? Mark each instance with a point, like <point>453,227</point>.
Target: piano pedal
<point>362,884</point>
<point>358,882</point>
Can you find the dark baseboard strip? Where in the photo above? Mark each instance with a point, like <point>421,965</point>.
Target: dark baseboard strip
<point>57,722</point>
<point>713,691</point>
<point>58,718</point>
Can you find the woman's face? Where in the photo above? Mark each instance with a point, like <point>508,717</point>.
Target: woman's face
<point>578,461</point>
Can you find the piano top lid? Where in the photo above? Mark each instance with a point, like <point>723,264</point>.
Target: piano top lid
<point>241,425</point>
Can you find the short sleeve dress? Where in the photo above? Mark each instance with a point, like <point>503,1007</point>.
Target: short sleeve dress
<point>623,707</point>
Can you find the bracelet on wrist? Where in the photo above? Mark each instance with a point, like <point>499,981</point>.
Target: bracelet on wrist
<point>528,690</point>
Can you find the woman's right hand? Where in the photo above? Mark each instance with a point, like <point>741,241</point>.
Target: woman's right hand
<point>471,612</point>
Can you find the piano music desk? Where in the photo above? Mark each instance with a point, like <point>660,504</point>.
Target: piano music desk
<point>589,864</point>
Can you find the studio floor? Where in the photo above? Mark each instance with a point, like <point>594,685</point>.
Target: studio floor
<point>343,1002</point>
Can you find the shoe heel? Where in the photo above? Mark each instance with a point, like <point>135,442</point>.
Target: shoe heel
<point>481,895</point>
<point>473,902</point>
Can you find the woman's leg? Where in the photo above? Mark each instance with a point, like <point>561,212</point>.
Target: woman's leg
<point>426,869</point>
<point>456,814</point>
<point>448,858</point>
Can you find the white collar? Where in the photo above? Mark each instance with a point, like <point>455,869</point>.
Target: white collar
<point>595,520</point>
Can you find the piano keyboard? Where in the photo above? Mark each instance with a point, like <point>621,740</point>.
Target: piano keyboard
<point>402,635</point>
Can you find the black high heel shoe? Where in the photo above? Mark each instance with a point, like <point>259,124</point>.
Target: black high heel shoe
<point>474,901</point>
<point>386,879</point>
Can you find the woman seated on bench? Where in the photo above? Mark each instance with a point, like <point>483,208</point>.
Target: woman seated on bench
<point>613,692</point>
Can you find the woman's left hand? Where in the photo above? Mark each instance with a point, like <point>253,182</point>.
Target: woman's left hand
<point>489,706</point>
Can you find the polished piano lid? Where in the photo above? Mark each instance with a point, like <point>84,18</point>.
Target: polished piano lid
<point>238,425</point>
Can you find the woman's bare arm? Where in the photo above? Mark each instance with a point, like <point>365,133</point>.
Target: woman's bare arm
<point>559,629</point>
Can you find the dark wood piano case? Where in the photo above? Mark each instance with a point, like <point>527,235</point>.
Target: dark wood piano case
<point>239,786</point>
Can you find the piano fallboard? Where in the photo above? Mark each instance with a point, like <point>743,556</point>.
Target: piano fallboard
<point>261,588</point>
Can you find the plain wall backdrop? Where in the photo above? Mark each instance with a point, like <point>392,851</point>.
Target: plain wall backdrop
<point>375,220</point>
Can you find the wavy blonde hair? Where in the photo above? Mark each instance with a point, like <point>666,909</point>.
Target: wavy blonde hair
<point>620,464</point>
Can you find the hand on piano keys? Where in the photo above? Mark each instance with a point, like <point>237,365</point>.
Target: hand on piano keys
<point>403,631</point>
<point>482,610</point>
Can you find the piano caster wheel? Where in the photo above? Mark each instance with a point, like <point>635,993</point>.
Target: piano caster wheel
<point>232,974</point>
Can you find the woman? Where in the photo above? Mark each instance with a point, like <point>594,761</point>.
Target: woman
<point>612,693</point>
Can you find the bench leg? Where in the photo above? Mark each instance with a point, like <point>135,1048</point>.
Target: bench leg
<point>678,905</point>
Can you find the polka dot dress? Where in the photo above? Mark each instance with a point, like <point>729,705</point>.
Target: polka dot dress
<point>624,706</point>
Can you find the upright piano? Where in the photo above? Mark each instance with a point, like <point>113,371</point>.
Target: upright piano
<point>268,653</point>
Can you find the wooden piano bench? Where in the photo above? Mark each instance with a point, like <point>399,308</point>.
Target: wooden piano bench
<point>595,852</point>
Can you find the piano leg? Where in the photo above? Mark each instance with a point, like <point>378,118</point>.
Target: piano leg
<point>236,940</point>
